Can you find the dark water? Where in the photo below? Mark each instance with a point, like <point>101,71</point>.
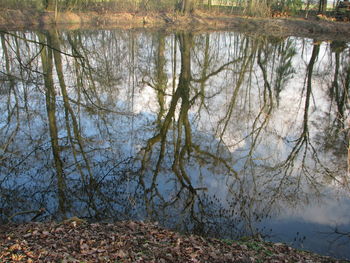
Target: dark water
<point>220,134</point>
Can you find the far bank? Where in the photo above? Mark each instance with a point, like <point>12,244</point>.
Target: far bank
<point>198,21</point>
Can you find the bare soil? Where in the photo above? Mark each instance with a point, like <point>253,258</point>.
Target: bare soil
<point>199,21</point>
<point>75,240</point>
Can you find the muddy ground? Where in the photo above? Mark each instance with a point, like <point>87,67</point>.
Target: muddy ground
<point>313,27</point>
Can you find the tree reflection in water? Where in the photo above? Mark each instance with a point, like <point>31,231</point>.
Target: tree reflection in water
<point>217,134</point>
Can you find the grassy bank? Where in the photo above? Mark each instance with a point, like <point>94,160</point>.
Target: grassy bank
<point>75,240</point>
<point>11,19</point>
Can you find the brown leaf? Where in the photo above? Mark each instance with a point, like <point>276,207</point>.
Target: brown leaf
<point>121,254</point>
<point>27,235</point>
<point>16,257</point>
<point>59,229</point>
<point>84,246</point>
<point>46,233</point>
<point>132,225</point>
<point>194,255</point>
<point>178,242</point>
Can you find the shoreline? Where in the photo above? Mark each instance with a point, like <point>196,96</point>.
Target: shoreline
<point>75,240</point>
<point>198,22</point>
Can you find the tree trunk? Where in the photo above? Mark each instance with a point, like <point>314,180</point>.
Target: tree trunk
<point>322,6</point>
<point>160,75</point>
<point>49,4</point>
<point>47,62</point>
<point>186,6</point>
<point>209,4</point>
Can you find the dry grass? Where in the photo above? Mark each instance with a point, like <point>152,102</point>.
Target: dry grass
<point>20,18</point>
<point>198,21</point>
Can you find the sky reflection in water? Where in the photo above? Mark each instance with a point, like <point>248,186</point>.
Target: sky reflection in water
<point>221,134</point>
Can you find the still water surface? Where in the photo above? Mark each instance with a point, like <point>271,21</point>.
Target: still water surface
<point>220,134</point>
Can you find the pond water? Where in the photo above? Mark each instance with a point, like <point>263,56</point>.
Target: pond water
<point>221,134</point>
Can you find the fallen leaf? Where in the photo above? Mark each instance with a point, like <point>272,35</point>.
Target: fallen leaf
<point>121,254</point>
